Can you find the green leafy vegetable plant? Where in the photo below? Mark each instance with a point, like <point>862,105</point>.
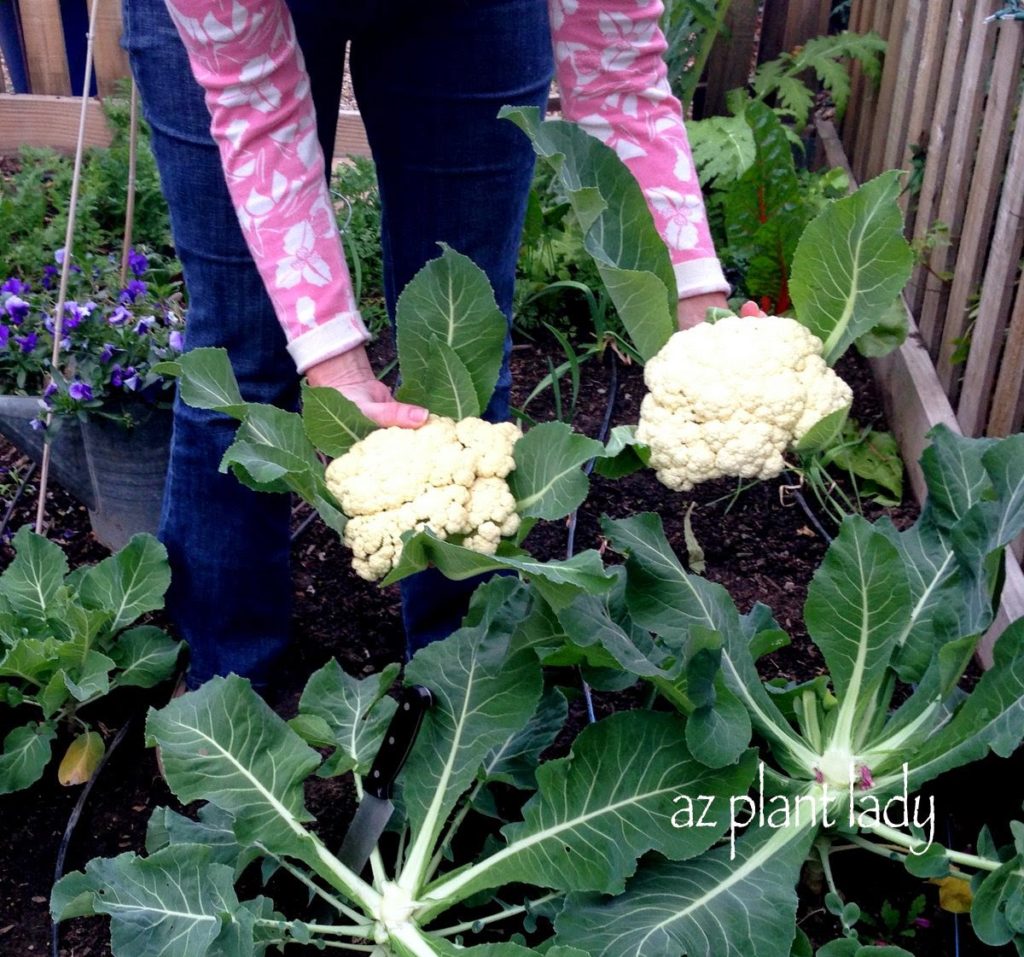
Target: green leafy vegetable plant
<point>69,639</point>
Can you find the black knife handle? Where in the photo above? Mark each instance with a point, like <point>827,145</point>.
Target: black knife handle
<point>398,740</point>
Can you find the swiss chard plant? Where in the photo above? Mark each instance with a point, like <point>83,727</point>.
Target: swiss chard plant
<point>67,640</point>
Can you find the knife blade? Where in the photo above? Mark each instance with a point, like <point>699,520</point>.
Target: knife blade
<point>376,808</point>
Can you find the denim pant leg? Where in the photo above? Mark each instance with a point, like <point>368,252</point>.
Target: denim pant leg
<point>430,85</point>
<point>230,594</point>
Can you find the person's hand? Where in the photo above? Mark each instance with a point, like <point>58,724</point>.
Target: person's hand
<point>693,309</point>
<point>751,310</point>
<point>351,374</point>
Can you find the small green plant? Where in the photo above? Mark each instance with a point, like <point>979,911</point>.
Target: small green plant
<point>34,201</point>
<point>893,925</point>
<point>67,640</point>
<point>359,219</point>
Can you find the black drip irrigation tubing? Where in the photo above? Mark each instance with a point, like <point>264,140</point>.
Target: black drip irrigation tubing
<point>807,510</point>
<point>76,813</point>
<point>570,548</point>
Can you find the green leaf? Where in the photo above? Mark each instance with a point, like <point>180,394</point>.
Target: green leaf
<point>560,581</point>
<point>145,656</point>
<point>223,743</point>
<point>331,422</point>
<point>32,582</point>
<point>991,718</point>
<point>548,481</point>
<point>723,149</point>
<point>622,455</point>
<point>858,604</point>
<point>128,583</point>
<point>598,810</point>
<point>717,732</point>
<point>272,453</point>
<point>174,903</point>
<point>214,831</point>
<point>888,333</point>
<point>87,675</point>
<point>996,909</point>
<point>515,760</point>
<point>206,381</point>
<point>851,264</point>
<point>448,384</point>
<point>618,228</point>
<point>26,753</point>
<point>823,433</point>
<point>449,300</point>
<point>482,693</point>
<point>30,660</point>
<point>741,906</point>
<point>356,711</point>
<point>663,598</point>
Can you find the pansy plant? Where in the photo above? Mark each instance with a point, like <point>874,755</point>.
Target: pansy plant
<point>111,336</point>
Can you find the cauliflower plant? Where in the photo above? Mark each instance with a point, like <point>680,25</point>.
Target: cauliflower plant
<point>447,475</point>
<point>729,398</point>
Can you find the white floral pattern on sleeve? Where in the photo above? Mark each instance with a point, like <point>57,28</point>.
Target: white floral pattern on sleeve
<point>245,55</point>
<point>614,84</point>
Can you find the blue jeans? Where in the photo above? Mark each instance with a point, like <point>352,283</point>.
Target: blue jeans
<point>430,79</point>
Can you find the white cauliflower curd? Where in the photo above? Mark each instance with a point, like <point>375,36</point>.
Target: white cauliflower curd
<point>729,398</point>
<point>448,476</point>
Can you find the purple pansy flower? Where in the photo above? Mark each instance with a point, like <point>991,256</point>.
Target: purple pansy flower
<point>137,262</point>
<point>108,352</point>
<point>125,378</point>
<point>50,390</point>
<point>50,273</point>
<point>80,391</point>
<point>16,286</point>
<point>145,325</point>
<point>16,308</point>
<point>119,316</point>
<point>37,424</point>
<point>5,335</point>
<point>73,315</point>
<point>58,255</point>
<point>131,292</point>
<point>176,340</point>
<point>27,343</point>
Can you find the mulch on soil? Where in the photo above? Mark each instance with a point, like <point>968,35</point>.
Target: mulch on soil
<point>755,545</point>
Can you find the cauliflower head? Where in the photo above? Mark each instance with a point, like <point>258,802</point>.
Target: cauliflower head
<point>729,398</point>
<point>448,476</point>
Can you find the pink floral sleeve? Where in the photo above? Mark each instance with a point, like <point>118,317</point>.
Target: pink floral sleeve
<point>613,82</point>
<point>245,56</point>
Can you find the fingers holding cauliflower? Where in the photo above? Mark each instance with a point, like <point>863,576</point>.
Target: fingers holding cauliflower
<point>728,399</point>
<point>448,476</point>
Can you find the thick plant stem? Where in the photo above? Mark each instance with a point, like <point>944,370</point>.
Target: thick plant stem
<point>494,918</point>
<point>910,843</point>
<point>337,904</point>
<point>337,930</point>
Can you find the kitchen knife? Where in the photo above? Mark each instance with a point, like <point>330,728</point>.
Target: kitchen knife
<point>376,808</point>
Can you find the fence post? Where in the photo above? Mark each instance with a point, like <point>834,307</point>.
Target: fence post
<point>45,58</point>
<point>733,56</point>
<point>790,23</point>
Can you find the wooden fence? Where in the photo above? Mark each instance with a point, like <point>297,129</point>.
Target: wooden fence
<point>947,108</point>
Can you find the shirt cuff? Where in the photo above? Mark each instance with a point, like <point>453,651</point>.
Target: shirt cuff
<point>345,331</point>
<point>698,277</point>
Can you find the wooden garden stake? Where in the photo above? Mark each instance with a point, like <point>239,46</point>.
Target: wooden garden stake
<point>65,271</point>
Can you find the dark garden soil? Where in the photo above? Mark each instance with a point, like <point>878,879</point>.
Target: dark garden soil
<point>760,544</point>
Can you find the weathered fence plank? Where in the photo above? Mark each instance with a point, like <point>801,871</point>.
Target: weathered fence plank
<point>45,59</point>
<point>111,61</point>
